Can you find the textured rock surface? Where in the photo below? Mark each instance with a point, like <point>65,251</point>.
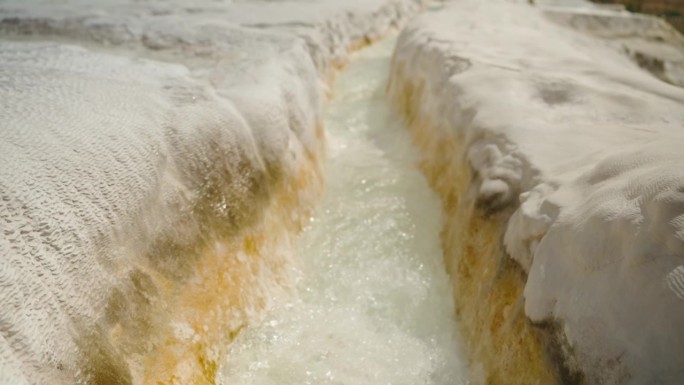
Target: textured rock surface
<point>141,171</point>
<point>557,122</point>
<point>649,41</point>
<point>671,10</point>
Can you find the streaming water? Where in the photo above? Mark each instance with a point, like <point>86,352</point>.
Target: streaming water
<point>374,304</point>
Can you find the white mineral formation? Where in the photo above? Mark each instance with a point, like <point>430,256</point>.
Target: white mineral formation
<point>557,110</point>
<point>134,135</point>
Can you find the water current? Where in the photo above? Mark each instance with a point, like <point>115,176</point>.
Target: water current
<point>373,303</point>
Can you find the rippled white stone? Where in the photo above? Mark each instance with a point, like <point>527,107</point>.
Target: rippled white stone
<point>109,151</point>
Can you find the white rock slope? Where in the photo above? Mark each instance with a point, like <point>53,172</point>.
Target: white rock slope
<point>558,116</point>
<point>124,161</point>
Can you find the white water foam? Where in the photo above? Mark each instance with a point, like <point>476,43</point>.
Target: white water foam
<point>374,304</point>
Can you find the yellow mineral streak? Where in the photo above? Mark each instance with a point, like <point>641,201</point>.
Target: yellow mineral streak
<point>178,330</point>
<point>234,282</point>
<point>502,344</point>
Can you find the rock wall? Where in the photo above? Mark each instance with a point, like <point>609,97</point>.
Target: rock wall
<point>556,158</point>
<point>157,160</point>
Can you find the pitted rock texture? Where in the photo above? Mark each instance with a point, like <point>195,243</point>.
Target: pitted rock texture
<point>132,159</point>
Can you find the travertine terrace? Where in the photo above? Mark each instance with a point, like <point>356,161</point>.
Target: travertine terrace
<point>551,146</point>
<point>160,159</point>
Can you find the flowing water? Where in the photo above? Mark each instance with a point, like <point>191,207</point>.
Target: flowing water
<point>373,300</point>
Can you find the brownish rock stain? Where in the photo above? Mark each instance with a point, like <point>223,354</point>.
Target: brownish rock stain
<point>487,286</point>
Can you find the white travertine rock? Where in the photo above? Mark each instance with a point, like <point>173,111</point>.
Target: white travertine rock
<point>173,120</point>
<point>610,266</point>
<point>650,41</point>
<point>212,28</point>
<point>562,117</point>
<point>104,158</point>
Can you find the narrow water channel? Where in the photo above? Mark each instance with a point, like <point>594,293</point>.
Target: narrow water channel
<point>374,303</point>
